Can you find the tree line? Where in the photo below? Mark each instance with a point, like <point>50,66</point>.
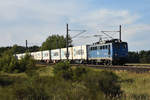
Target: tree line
<point>59,41</point>
<point>52,42</point>
<point>139,57</point>
<point>18,49</point>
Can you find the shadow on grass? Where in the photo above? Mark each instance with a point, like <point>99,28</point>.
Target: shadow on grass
<point>5,81</point>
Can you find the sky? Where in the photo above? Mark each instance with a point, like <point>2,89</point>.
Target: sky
<point>35,20</point>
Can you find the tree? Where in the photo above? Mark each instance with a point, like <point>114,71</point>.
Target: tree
<point>34,48</point>
<point>144,56</point>
<point>64,70</point>
<point>20,49</point>
<point>54,42</point>
<point>3,49</point>
<point>9,63</point>
<point>133,57</point>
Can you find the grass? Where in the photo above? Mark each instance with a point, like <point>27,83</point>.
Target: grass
<point>45,71</point>
<point>134,85</point>
<point>42,70</point>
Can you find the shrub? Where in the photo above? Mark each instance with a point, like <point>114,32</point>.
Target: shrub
<point>8,63</point>
<point>78,73</point>
<point>63,69</point>
<point>27,63</point>
<point>30,90</point>
<point>105,81</point>
<point>109,83</point>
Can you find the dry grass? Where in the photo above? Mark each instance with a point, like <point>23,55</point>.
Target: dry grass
<point>136,86</point>
<point>132,83</point>
<point>45,71</point>
<point>135,83</point>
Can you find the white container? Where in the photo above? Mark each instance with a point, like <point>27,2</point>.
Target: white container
<point>38,55</point>
<point>32,55</point>
<point>80,52</point>
<point>19,56</point>
<point>64,52</point>
<point>55,54</point>
<point>46,55</point>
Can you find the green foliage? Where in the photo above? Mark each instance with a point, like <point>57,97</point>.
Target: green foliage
<point>133,57</point>
<point>63,69</point>
<point>105,82</point>
<point>139,57</point>
<point>79,72</point>
<point>34,48</point>
<point>8,63</point>
<point>54,42</point>
<point>3,49</point>
<point>5,81</point>
<point>27,63</point>
<point>18,49</point>
<point>86,85</point>
<point>37,87</point>
<point>109,83</point>
<point>30,91</point>
<point>144,56</point>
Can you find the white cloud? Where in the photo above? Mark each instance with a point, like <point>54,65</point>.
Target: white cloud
<point>34,19</point>
<point>138,36</point>
<point>97,20</point>
<point>107,17</point>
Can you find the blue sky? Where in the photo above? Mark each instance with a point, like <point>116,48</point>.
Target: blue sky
<point>35,20</point>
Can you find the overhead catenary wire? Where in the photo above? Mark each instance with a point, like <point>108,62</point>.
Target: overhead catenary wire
<point>82,31</point>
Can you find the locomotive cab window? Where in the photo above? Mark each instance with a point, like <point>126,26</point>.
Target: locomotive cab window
<point>101,47</point>
<point>90,48</point>
<point>125,46</point>
<point>106,47</point>
<point>95,48</point>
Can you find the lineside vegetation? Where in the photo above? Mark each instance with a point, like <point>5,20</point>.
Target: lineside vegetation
<point>23,80</point>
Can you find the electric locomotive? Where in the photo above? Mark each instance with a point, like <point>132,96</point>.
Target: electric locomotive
<point>110,52</point>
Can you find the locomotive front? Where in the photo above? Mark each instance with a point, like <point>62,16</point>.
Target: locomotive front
<point>120,53</point>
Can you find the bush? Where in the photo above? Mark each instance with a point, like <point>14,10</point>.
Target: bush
<point>63,69</point>
<point>78,73</point>
<point>31,89</point>
<point>8,63</point>
<point>90,85</point>
<point>105,81</point>
<point>109,83</point>
<point>96,84</point>
<point>27,63</point>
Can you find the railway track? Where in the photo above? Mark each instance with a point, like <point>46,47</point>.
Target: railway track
<point>132,68</point>
<point>137,69</point>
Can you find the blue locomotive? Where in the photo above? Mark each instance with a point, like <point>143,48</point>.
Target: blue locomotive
<point>112,52</point>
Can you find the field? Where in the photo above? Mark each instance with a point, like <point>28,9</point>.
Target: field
<point>136,86</point>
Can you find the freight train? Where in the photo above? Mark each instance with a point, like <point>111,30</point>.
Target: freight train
<point>111,52</point>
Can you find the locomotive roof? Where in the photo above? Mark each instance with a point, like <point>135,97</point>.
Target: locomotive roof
<point>109,41</point>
